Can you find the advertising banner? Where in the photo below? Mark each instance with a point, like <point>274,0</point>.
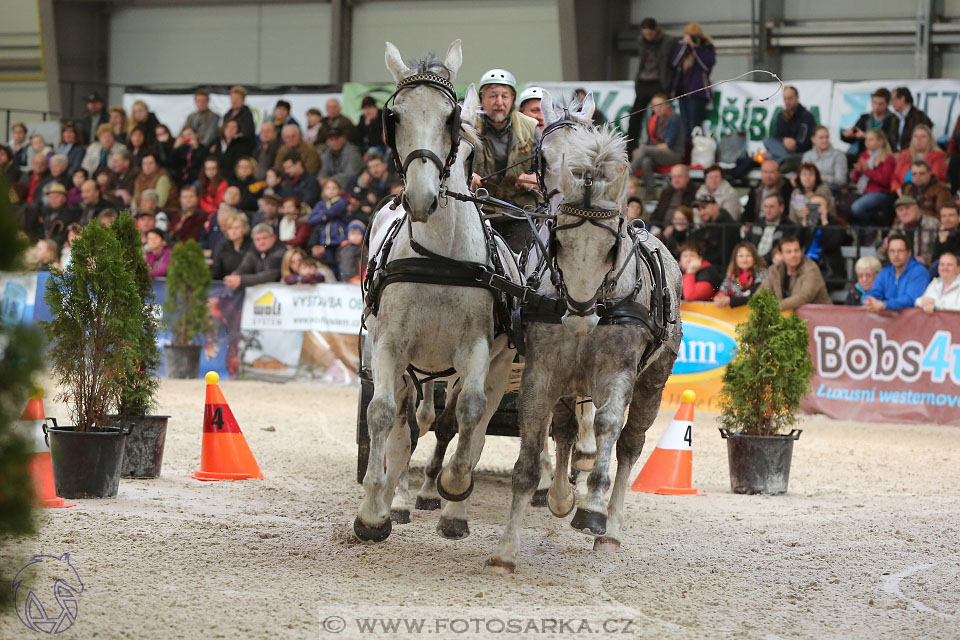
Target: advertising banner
<point>332,308</point>
<point>884,367</point>
<point>18,291</point>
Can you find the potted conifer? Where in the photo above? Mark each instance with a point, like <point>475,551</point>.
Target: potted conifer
<point>96,321</point>
<point>143,456</point>
<point>185,310</point>
<point>762,389</point>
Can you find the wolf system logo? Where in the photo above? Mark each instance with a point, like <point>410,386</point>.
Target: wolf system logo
<point>45,594</point>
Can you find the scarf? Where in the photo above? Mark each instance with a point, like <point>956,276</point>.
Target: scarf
<point>864,179</point>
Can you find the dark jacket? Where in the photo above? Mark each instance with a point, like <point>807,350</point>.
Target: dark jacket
<point>754,209</point>
<point>88,212</point>
<point>244,118</point>
<point>697,76</point>
<point>914,117</point>
<point>755,232</point>
<point>829,242</point>
<point>56,221</point>
<point>89,123</point>
<point>369,135</point>
<point>266,155</point>
<point>666,197</point>
<point>349,256</point>
<point>260,268</point>
<point>717,238</point>
<point>226,259</point>
<point>304,187</point>
<point>329,222</point>
<point>228,157</point>
<point>864,124</point>
<point>800,127</point>
<point>186,163</point>
<point>952,244</point>
<point>250,189</point>
<point>660,47</point>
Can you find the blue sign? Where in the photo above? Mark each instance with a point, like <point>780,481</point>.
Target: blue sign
<point>703,348</point>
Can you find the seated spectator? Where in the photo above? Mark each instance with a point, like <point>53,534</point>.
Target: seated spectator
<point>186,160</point>
<point>796,280</point>
<point>293,230</point>
<point>190,217</point>
<point>8,167</point>
<point>146,221</point>
<point>791,132</point>
<point>141,116</point>
<point>73,232</point>
<point>229,252</point>
<point>867,268</point>
<point>900,283</point>
<point>831,162</point>
<point>948,236</point>
<point>231,199</point>
<point>878,117</point>
<point>927,190</point>
<point>293,143</point>
<point>299,183</point>
<point>923,146</point>
<point>246,180</point>
<point>214,228</point>
<point>281,115</point>
<point>203,122</point>
<point>261,264</point>
<point>70,146</point>
<point>635,209</point>
<point>211,186</point>
<point>118,123</point>
<point>350,255</point>
<point>307,273</point>
<point>717,231</point>
<point>872,174</point>
<point>57,216</point>
<point>107,217</point>
<point>59,169</point>
<point>292,267</point>
<point>149,204</point>
<point>807,184</point>
<point>771,181</point>
<point>722,191</point>
<point>745,274</point>
<point>265,153</point>
<point>38,146</point>
<point>680,192</point>
<point>273,181</point>
<point>268,210</point>
<point>74,195</point>
<point>943,292</point>
<point>164,146</point>
<point>157,253</point>
<point>334,120</point>
<point>692,61</point>
<point>121,183</point>
<point>18,145</point>
<point>151,176</point>
<point>666,138</point>
<point>906,117</point>
<point>138,146</point>
<point>678,232</point>
<point>329,222</point>
<point>240,112</point>
<point>922,230</point>
<point>91,202</point>
<point>342,160</point>
<point>230,148</point>
<point>314,118</point>
<point>822,237</point>
<point>38,178</point>
<point>370,187</point>
<point>700,278</point>
<point>44,255</point>
<point>369,132</point>
<point>771,227</point>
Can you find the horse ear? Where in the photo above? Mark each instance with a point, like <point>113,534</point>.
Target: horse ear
<point>550,115</point>
<point>471,104</point>
<point>454,59</point>
<point>587,107</point>
<point>395,63</point>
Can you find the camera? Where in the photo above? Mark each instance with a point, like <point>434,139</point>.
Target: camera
<point>695,40</point>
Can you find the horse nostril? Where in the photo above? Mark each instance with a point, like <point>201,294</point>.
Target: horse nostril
<point>434,205</point>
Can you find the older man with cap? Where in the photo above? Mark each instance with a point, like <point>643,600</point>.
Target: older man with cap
<point>920,229</point>
<point>95,116</point>
<point>529,102</point>
<point>57,216</point>
<point>508,139</point>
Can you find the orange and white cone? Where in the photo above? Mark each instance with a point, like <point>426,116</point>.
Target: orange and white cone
<point>669,469</point>
<point>225,454</point>
<point>41,468</point>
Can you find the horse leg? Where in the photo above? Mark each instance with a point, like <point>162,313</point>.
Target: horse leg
<point>546,476</point>
<point>561,498</point>
<point>585,454</point>
<point>644,405</point>
<point>400,507</point>
<point>446,427</point>
<point>426,412</point>
<point>535,407</point>
<point>372,524</point>
<point>453,523</point>
<point>591,515</point>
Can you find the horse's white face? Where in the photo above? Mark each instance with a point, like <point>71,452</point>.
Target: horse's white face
<point>422,122</point>
<point>585,254</point>
<point>554,144</point>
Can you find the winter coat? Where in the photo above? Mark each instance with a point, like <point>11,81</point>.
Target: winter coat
<point>806,285</point>
<point>329,222</point>
<point>878,178</point>
<point>936,159</point>
<point>944,299</point>
<point>900,292</point>
<point>800,127</point>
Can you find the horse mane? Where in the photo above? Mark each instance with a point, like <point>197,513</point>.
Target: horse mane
<point>430,64</point>
<point>603,152</point>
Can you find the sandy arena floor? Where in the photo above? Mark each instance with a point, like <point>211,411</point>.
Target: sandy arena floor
<point>865,545</point>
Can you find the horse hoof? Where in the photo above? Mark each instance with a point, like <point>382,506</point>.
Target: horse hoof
<point>499,567</point>
<point>539,498</point>
<point>606,544</point>
<point>453,528</point>
<point>453,497</point>
<point>583,461</point>
<point>427,504</point>
<point>372,534</point>
<point>595,523</point>
<point>557,510</point>
<point>400,516</point>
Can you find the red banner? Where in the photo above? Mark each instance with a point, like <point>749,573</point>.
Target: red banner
<point>884,367</point>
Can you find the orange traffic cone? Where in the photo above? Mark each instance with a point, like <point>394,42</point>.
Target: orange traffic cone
<point>225,454</point>
<point>41,469</point>
<point>670,467</point>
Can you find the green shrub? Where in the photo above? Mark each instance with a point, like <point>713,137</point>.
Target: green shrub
<point>188,283</point>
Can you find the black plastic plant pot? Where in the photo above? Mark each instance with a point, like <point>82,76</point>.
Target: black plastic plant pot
<point>759,464</point>
<point>143,454</point>
<point>86,464</point>
<point>183,361</point>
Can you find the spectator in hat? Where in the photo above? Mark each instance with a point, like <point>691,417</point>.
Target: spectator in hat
<point>262,263</point>
<point>350,254</point>
<point>203,122</point>
<point>921,230</point>
<point>370,187</point>
<point>722,191</point>
<point>717,232</point>
<point>314,122</point>
<point>93,118</point>
<point>900,128</point>
<point>230,148</point>
<point>335,120</point>
<point>229,253</point>
<point>157,253</point>
<point>930,193</point>
<point>329,222</point>
<point>240,112</point>
<point>57,216</point>
<point>700,278</point>
<point>70,146</point>
<point>293,142</point>
<point>342,160</point>
<point>118,123</point>
<point>369,132</point>
<point>943,292</point>
<point>281,115</point>
<point>900,283</point>
<point>666,138</point>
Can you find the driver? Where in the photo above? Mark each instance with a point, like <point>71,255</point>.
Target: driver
<point>508,137</point>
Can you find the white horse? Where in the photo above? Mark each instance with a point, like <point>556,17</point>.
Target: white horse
<point>597,261</point>
<point>433,327</point>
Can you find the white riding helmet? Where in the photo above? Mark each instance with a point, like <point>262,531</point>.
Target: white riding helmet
<point>530,93</point>
<point>498,76</point>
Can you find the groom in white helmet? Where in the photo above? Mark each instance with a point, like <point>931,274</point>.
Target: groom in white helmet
<point>509,138</point>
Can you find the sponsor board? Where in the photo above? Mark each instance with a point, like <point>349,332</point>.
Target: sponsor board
<point>331,308</point>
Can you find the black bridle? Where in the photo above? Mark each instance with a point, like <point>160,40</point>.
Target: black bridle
<point>538,162</point>
<point>390,120</point>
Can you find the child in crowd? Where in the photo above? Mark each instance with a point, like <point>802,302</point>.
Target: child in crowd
<point>350,253</point>
<point>273,180</point>
<point>44,255</point>
<point>634,209</point>
<point>294,230</point>
<point>329,222</point>
<point>73,196</point>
